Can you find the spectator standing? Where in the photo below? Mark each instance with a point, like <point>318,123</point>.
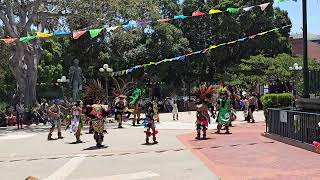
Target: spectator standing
<point>175,110</point>
<point>20,112</point>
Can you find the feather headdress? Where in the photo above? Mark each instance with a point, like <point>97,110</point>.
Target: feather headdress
<point>93,90</point>
<point>204,92</point>
<point>136,95</point>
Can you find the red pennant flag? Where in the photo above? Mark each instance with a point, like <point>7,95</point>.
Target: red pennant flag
<point>252,37</point>
<point>9,40</point>
<point>164,20</point>
<point>197,13</point>
<point>78,34</point>
<point>205,50</point>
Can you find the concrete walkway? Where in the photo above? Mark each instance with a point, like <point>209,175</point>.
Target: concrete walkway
<point>27,152</point>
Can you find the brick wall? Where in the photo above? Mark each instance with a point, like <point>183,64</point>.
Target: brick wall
<point>313,48</point>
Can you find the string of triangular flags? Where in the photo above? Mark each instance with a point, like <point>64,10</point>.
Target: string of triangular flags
<point>280,1</point>
<point>183,57</point>
<point>130,25</point>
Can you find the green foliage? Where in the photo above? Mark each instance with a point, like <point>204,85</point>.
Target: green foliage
<point>263,70</point>
<point>122,49</point>
<point>51,66</point>
<point>276,101</point>
<point>204,31</point>
<point>3,106</point>
<point>7,83</point>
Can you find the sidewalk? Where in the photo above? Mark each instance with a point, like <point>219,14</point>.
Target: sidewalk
<point>247,155</point>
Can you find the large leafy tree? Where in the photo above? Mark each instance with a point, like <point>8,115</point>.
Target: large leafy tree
<point>20,19</point>
<point>125,48</point>
<point>209,30</point>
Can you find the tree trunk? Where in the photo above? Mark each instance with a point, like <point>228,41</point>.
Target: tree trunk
<point>23,64</point>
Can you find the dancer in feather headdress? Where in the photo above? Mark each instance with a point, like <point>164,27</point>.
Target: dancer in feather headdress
<point>135,105</point>
<point>120,92</point>
<point>224,106</point>
<point>204,94</point>
<point>94,91</point>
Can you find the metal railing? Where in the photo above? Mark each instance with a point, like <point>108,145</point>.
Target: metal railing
<point>301,126</point>
<point>314,81</point>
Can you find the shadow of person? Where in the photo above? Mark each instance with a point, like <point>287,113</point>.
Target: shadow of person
<point>149,144</point>
<point>95,148</point>
<point>75,142</point>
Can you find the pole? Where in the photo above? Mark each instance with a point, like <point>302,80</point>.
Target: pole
<point>306,91</point>
<point>107,90</point>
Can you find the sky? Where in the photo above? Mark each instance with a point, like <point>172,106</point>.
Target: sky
<point>295,13</point>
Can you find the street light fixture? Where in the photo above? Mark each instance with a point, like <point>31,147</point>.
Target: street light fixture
<point>106,69</point>
<point>63,79</point>
<point>295,68</point>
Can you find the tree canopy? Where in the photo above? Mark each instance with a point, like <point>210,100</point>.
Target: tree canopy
<point>154,42</point>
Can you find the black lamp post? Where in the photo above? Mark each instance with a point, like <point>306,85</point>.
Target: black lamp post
<point>306,90</point>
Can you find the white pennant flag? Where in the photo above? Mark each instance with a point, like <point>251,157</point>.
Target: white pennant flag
<point>111,28</point>
<point>264,6</point>
<point>248,8</point>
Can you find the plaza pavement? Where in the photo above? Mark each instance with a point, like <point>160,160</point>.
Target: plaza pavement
<point>247,155</point>
<point>27,152</point>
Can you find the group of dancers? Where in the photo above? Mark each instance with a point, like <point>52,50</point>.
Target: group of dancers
<point>96,114</point>
<point>210,103</point>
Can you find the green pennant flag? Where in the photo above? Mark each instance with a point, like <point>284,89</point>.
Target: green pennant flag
<point>232,10</point>
<point>123,71</point>
<point>27,39</point>
<point>95,32</point>
<point>279,1</point>
<point>275,30</point>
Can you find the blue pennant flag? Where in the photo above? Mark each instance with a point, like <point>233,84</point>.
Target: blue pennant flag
<point>130,25</point>
<point>179,58</point>
<point>180,17</point>
<point>61,33</point>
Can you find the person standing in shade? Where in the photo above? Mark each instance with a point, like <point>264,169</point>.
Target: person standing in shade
<point>156,110</point>
<point>54,115</point>
<point>20,112</point>
<point>175,110</point>
<point>120,109</point>
<point>253,104</point>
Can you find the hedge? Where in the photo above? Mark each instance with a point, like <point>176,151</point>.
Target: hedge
<point>282,100</point>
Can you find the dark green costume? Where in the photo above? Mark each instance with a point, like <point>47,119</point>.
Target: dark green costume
<point>225,111</point>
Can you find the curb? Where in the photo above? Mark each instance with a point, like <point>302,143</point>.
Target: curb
<point>291,142</point>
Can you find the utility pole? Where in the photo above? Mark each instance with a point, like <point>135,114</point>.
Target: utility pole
<point>306,91</point>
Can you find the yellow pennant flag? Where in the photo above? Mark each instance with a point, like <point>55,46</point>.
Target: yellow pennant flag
<point>262,33</point>
<point>43,35</point>
<point>214,11</point>
<point>213,46</point>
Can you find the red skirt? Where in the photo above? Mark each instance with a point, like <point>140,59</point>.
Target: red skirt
<point>203,122</point>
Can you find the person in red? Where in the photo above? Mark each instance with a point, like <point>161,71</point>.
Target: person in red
<point>202,122</point>
<point>204,94</point>
<point>149,123</point>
